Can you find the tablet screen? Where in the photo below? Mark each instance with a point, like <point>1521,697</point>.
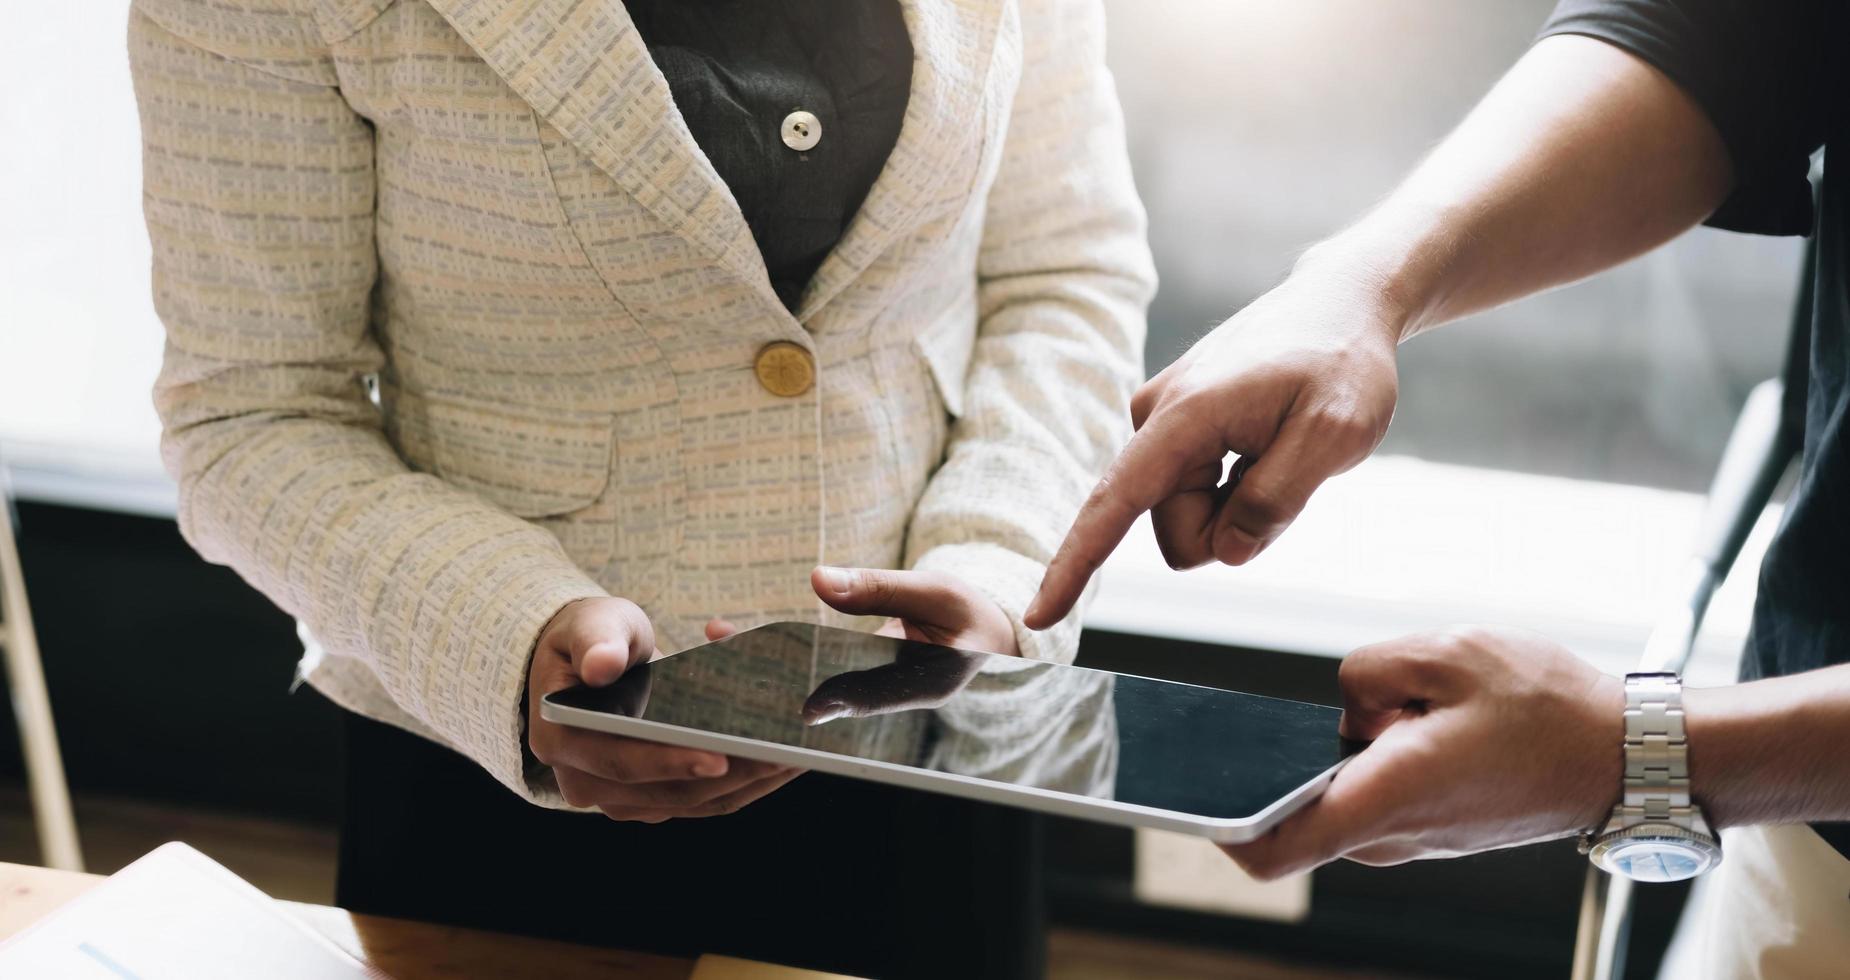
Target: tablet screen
<point>1160,744</point>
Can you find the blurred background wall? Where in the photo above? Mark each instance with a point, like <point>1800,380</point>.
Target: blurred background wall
<point>1255,129</point>
<point>1258,128</point>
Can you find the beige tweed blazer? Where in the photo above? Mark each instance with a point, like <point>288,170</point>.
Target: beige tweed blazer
<point>461,325</point>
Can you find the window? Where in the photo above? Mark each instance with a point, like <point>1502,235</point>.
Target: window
<point>79,342</point>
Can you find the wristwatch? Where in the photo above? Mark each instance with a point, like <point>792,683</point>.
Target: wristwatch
<point>1656,833</point>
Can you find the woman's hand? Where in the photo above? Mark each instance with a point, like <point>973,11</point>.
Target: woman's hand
<point>928,606</point>
<point>1481,739</point>
<point>593,641</point>
<point>931,607</point>
<point>1300,384</point>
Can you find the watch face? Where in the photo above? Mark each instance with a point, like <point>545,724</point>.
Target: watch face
<point>1657,858</point>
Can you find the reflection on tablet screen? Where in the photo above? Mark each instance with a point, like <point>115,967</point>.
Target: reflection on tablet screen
<point>1152,743</point>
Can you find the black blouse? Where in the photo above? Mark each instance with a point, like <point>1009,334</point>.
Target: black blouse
<point>745,72</point>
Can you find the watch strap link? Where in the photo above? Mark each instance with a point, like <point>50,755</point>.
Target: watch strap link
<point>1656,754</point>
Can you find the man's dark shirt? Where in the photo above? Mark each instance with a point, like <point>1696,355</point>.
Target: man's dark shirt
<point>1767,74</point>
<point>739,68</point>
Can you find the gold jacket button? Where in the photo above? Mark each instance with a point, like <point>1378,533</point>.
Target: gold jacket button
<point>785,369</point>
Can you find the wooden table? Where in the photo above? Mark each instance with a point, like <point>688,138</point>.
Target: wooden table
<point>414,950</point>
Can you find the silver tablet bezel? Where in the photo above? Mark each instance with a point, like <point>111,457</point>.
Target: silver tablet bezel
<point>1221,830</point>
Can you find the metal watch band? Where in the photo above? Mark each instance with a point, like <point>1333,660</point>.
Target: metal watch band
<point>1656,754</point>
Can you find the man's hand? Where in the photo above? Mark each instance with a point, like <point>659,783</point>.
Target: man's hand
<point>1301,385</point>
<point>1481,739</point>
<point>1583,156</point>
<point>594,641</point>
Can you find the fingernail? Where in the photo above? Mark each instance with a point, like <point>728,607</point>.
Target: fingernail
<point>839,580</point>
<point>710,767</point>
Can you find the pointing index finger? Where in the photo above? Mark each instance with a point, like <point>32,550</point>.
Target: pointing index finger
<point>1138,480</point>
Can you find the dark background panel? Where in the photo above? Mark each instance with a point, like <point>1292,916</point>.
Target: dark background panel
<point>170,677</point>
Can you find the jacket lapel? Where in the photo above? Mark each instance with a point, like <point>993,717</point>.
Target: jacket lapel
<point>953,45</point>
<point>584,68</point>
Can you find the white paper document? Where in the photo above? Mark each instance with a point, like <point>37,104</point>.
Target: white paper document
<point>175,914</point>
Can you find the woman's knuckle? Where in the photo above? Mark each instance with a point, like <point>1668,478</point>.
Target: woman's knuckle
<point>1262,868</point>
<point>722,808</point>
<point>571,792</point>
<point>932,580</point>
<point>540,742</point>
<point>881,585</point>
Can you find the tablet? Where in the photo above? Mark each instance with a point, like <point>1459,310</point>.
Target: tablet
<point>1063,740</point>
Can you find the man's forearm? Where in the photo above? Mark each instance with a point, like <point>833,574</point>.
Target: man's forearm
<point>1773,751</point>
<point>1582,157</point>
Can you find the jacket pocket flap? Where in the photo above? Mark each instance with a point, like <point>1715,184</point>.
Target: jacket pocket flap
<point>529,462</point>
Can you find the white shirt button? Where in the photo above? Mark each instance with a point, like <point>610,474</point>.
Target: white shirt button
<point>802,130</point>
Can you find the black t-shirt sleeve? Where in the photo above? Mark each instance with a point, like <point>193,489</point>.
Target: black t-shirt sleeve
<point>1757,67</point>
